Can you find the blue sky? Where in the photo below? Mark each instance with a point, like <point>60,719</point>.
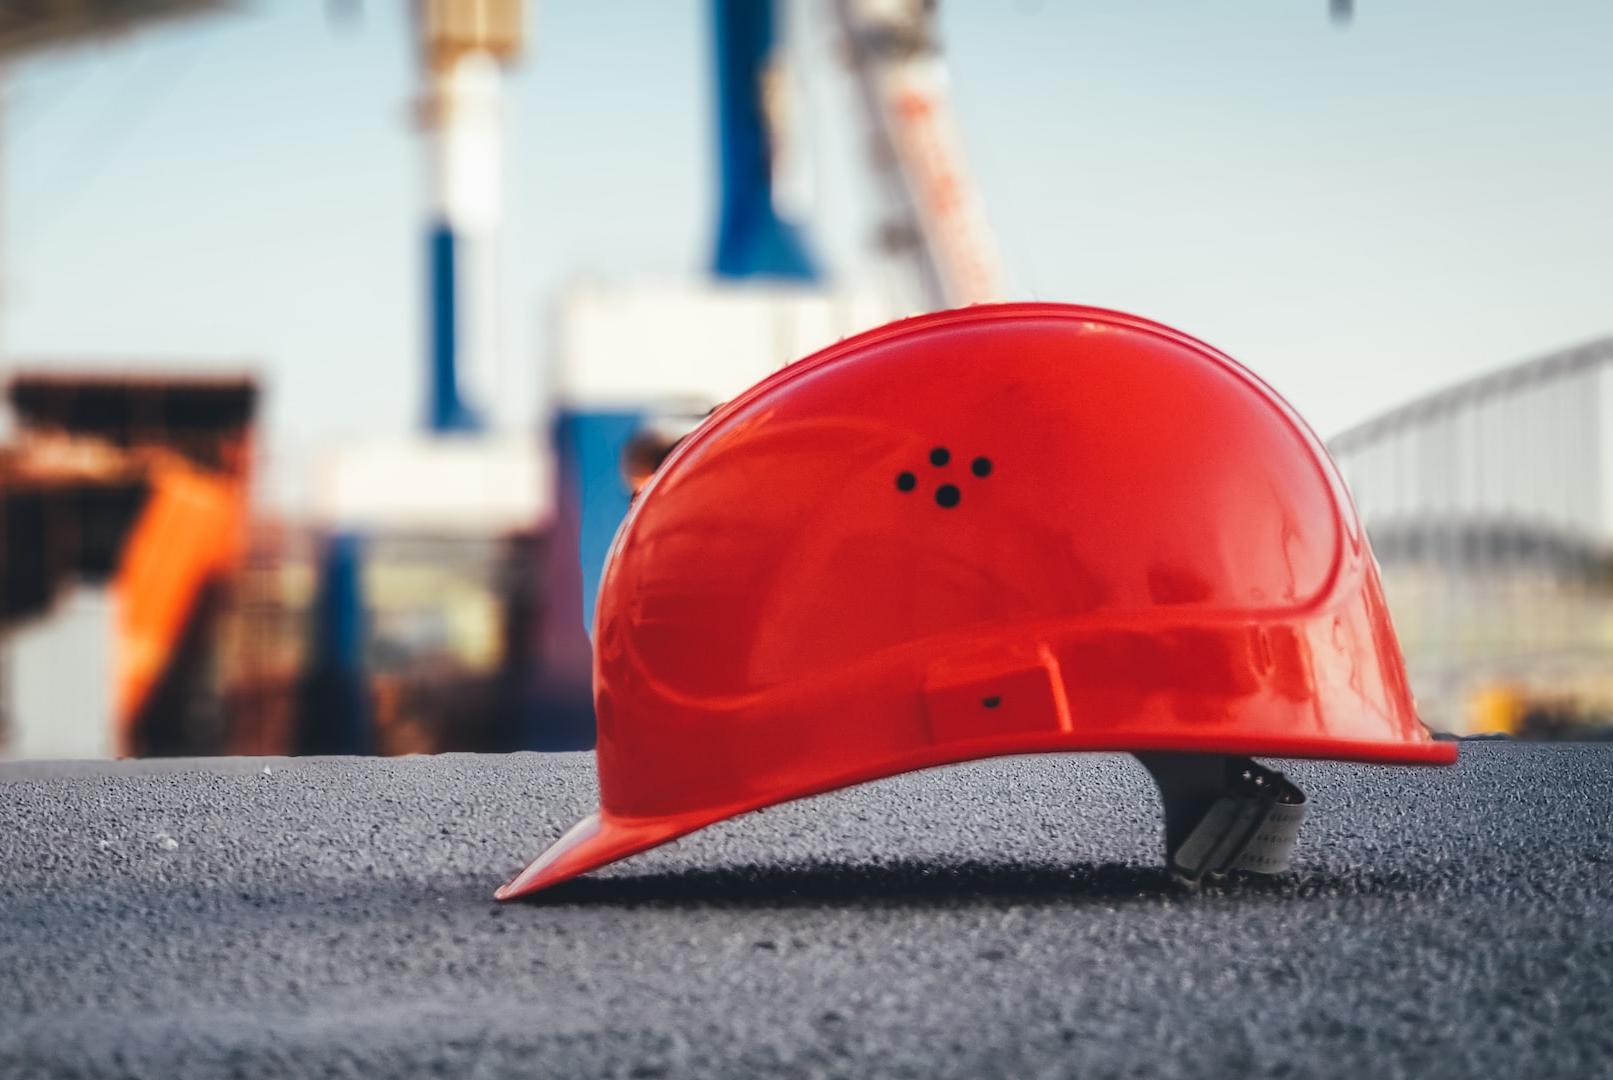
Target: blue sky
<point>1360,214</point>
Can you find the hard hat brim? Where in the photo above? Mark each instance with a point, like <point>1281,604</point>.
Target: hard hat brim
<point>602,838</point>
<point>595,841</point>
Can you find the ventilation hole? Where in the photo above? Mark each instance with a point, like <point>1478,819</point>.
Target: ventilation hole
<point>947,495</point>
<point>980,466</point>
<point>940,456</point>
<point>991,702</point>
<point>906,481</point>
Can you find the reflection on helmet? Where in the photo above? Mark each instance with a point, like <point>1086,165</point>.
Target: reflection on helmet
<point>1015,528</point>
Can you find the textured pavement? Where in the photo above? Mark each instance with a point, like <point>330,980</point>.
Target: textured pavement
<point>1005,918</point>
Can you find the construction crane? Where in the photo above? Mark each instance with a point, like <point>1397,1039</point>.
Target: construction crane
<point>936,218</point>
<point>464,46</point>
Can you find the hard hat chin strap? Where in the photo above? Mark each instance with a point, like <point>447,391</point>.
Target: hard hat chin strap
<point>1224,814</point>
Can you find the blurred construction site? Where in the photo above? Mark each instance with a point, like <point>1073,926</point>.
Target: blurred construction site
<point>212,555</point>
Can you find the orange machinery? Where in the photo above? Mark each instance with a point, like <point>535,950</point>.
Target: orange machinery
<point>182,446</point>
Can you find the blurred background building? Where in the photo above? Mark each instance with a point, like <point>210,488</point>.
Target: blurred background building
<point>435,591</point>
<point>382,530</point>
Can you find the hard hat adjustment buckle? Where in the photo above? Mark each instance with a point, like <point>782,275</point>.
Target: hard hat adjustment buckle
<point>1225,814</point>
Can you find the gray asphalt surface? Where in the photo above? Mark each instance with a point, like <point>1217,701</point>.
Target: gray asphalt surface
<point>1006,918</point>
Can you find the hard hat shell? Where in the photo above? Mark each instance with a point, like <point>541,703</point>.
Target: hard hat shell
<point>1003,529</point>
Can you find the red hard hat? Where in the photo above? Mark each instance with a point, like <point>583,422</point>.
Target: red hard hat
<point>1005,529</point>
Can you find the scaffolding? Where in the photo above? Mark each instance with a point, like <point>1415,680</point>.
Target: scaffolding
<point>1488,507</point>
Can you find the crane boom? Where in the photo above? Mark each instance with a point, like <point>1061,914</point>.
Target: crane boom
<point>937,217</point>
